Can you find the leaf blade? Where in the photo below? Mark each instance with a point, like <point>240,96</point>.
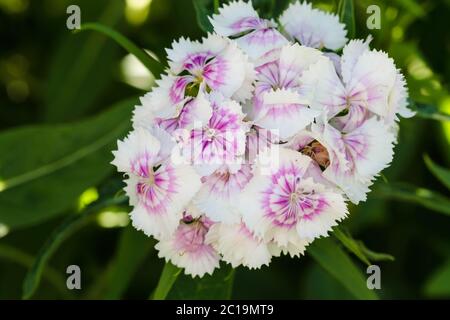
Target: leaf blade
<point>346,13</point>
<point>441,173</point>
<point>149,62</point>
<point>44,168</point>
<point>426,198</point>
<point>56,238</point>
<point>203,9</point>
<point>334,260</point>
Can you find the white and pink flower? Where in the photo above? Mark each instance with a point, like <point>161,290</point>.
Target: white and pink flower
<point>254,35</point>
<point>245,161</point>
<point>187,247</point>
<point>158,188</point>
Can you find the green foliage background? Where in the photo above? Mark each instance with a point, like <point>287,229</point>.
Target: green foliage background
<point>65,98</point>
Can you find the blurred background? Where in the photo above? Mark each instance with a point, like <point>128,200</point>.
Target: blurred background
<point>65,99</point>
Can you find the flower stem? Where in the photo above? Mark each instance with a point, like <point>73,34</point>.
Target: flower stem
<point>168,277</point>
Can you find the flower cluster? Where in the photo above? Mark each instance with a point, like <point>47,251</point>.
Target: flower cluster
<point>253,142</point>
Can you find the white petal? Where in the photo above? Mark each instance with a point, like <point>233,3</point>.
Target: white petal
<point>286,111</point>
<point>371,81</point>
<point>238,246</point>
<point>323,88</point>
<point>138,143</point>
<point>350,55</point>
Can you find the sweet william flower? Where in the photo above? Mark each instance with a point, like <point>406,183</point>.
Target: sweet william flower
<point>219,193</point>
<point>369,84</point>
<point>312,27</point>
<point>356,157</point>
<point>287,205</point>
<point>278,102</point>
<point>187,247</point>
<point>221,141</point>
<point>158,188</point>
<point>254,35</point>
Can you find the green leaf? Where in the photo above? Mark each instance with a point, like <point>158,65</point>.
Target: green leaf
<point>203,9</point>
<point>438,285</point>
<point>43,169</point>
<point>56,238</point>
<point>80,70</point>
<point>132,249</point>
<point>424,197</point>
<point>374,256</point>
<point>441,173</point>
<point>351,244</point>
<point>149,62</point>
<point>358,248</point>
<point>24,259</point>
<point>217,286</point>
<point>346,13</point>
<point>428,111</point>
<point>168,277</point>
<point>337,263</point>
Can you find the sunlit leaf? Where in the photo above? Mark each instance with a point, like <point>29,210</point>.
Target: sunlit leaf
<point>337,263</point>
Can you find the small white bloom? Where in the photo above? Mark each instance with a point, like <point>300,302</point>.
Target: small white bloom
<point>187,248</point>
<point>158,189</point>
<point>356,157</point>
<point>255,36</point>
<point>287,205</point>
<point>312,27</point>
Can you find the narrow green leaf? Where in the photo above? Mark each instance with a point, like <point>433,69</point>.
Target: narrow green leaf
<point>424,197</point>
<point>81,65</point>
<point>217,286</point>
<point>346,13</point>
<point>168,277</point>
<point>359,249</point>
<point>44,168</point>
<point>336,262</point>
<point>441,173</point>
<point>56,238</point>
<point>24,259</point>
<point>351,244</point>
<point>152,64</point>
<point>428,111</point>
<point>132,249</point>
<point>374,256</point>
<point>204,9</point>
<point>438,285</point>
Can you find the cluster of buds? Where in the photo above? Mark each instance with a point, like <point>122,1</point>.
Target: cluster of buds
<point>256,138</point>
